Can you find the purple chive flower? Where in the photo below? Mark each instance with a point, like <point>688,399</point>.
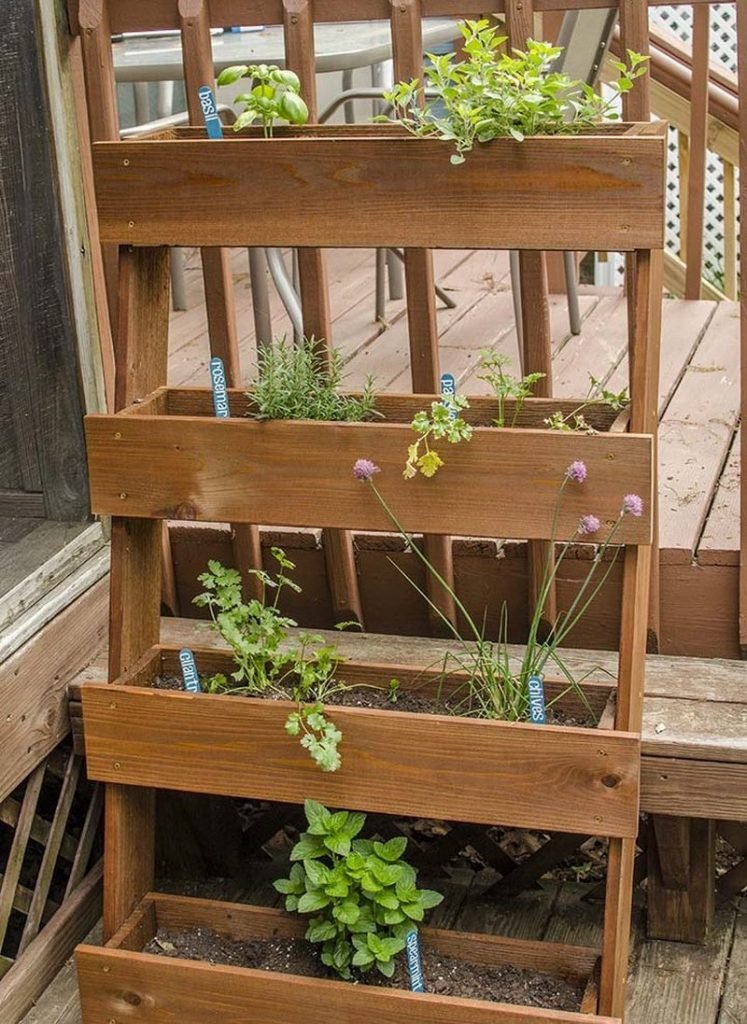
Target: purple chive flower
<point>632,505</point>
<point>364,469</point>
<point>576,471</point>
<point>588,524</point>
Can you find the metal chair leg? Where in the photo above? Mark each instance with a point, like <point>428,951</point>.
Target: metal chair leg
<point>260,297</point>
<point>571,289</point>
<point>395,275</point>
<point>178,281</point>
<point>513,258</point>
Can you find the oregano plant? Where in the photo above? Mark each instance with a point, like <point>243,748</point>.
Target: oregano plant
<point>363,896</point>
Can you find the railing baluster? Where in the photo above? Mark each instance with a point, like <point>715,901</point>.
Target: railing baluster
<point>698,144</point>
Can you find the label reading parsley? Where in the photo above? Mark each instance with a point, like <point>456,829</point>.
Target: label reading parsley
<point>189,671</point>
<point>448,389</point>
<point>537,700</point>
<point>210,112</point>
<point>220,392</point>
<point>414,964</point>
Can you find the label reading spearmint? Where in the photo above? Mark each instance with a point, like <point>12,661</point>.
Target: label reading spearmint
<point>220,392</point>
<point>414,964</point>
<point>448,389</point>
<point>536,700</point>
<point>210,112</point>
<point>189,671</point>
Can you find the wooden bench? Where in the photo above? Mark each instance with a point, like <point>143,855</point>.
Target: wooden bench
<point>693,776</point>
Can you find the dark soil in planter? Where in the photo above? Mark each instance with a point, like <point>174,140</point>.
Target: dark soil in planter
<point>443,975</point>
<point>407,700</point>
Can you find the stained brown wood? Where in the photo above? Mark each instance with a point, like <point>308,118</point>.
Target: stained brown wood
<point>697,152</point>
<point>442,766</point>
<point>12,873</point>
<point>742,66</point>
<point>694,788</point>
<point>201,992</point>
<point>681,879</point>
<point>141,350</point>
<point>574,192</point>
<point>617,921</point>
<point>239,471</point>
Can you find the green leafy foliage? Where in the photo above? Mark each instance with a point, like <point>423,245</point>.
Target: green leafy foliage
<point>301,382</point>
<point>505,386</point>
<point>268,661</point>
<point>363,896</point>
<point>575,421</point>
<point>440,424</point>
<point>274,96</point>
<point>492,93</point>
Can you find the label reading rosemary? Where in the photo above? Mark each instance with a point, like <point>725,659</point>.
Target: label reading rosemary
<point>537,700</point>
<point>210,112</point>
<point>414,964</point>
<point>220,392</point>
<point>189,671</point>
<point>448,389</point>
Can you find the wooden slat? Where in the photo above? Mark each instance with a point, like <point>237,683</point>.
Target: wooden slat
<point>51,852</point>
<point>694,788</point>
<point>9,812</point>
<point>581,192</point>
<point>681,872</point>
<point>88,835</point>
<point>697,151</point>
<point>730,229</point>
<point>141,351</point>
<point>18,848</point>
<point>442,766</point>
<point>239,471</point>
<point>298,27</point>
<point>742,66</point>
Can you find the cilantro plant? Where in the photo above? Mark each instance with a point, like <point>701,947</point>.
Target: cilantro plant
<point>505,386</point>
<point>363,896</point>
<point>268,661</point>
<point>274,96</point>
<point>492,93</point>
<point>297,382</point>
<point>440,424</point>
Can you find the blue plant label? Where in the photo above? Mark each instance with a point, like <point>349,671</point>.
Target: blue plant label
<point>414,963</point>
<point>537,700</point>
<point>220,391</point>
<point>210,112</point>
<point>189,671</point>
<point>448,389</point>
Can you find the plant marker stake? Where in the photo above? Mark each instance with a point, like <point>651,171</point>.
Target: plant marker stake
<point>448,390</point>
<point>220,393</point>
<point>414,964</point>
<point>189,671</point>
<point>537,700</point>
<point>213,122</point>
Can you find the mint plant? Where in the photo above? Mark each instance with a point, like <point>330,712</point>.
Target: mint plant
<point>505,386</point>
<point>363,896</point>
<point>268,661</point>
<point>297,382</point>
<point>274,96</point>
<point>442,423</point>
<point>491,93</point>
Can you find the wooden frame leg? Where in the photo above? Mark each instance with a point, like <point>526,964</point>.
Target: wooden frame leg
<point>681,878</point>
<point>617,919</point>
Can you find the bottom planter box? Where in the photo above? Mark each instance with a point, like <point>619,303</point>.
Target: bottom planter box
<point>553,777</point>
<point>120,983</point>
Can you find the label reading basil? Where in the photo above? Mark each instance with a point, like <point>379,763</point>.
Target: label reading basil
<point>537,700</point>
<point>210,112</point>
<point>189,671</point>
<point>220,392</point>
<point>414,963</point>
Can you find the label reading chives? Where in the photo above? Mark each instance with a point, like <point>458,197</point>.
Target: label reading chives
<point>210,112</point>
<point>189,671</point>
<point>220,392</point>
<point>537,700</point>
<point>414,964</point>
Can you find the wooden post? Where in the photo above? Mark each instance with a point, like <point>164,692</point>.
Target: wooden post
<point>342,575</point>
<point>422,325</point>
<point>742,68</point>
<point>220,301</point>
<point>698,146</point>
<point>681,878</point>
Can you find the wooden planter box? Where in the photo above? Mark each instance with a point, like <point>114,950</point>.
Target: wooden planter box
<point>120,982</point>
<point>558,778</point>
<point>170,458</point>
<point>379,186</point>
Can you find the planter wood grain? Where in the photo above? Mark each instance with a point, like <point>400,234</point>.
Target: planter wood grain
<point>359,186</point>
<point>121,982</point>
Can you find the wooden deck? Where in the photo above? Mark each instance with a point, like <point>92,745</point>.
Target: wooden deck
<point>669,983</point>
<point>698,408</point>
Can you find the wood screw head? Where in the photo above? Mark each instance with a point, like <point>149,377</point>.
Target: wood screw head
<point>117,435</point>
<point>130,223</point>
<point>123,495</point>
<point>627,161</point>
<point>116,766</point>
<point>126,162</point>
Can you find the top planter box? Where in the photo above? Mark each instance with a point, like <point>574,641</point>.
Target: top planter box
<point>364,186</point>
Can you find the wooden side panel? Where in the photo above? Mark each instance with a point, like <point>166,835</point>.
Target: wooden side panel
<point>298,473</point>
<point>592,192</point>
<point>561,779</point>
